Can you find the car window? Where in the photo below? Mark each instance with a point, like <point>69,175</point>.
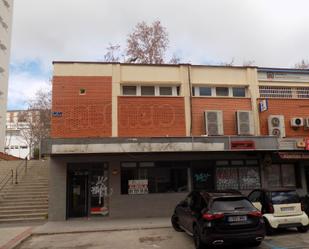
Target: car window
<point>255,196</point>
<point>231,204</point>
<point>199,203</point>
<point>284,197</point>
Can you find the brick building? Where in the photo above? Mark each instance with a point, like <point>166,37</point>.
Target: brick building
<point>132,140</point>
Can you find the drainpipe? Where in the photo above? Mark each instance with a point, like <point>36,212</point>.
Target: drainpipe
<point>190,99</point>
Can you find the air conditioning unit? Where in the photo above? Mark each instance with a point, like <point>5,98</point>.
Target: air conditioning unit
<point>276,126</point>
<point>297,122</point>
<point>245,124</point>
<point>306,123</point>
<point>213,123</point>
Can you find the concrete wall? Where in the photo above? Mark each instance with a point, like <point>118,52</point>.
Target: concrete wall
<point>57,190</point>
<point>6,13</point>
<point>151,205</point>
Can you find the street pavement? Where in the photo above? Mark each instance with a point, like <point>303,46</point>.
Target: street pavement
<point>164,238</point>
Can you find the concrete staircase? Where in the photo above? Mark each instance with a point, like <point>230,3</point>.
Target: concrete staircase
<point>27,200</point>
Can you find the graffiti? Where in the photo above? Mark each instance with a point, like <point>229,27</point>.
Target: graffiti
<point>100,188</point>
<point>202,177</point>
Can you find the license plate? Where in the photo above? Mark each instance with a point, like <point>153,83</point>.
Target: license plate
<point>287,209</point>
<point>237,218</point>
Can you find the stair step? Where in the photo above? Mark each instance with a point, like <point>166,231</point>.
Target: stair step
<point>23,206</point>
<point>30,215</point>
<point>23,219</point>
<point>32,193</point>
<point>25,196</point>
<point>23,211</point>
<point>17,201</point>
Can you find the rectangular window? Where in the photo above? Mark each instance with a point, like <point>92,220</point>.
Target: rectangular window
<point>239,92</point>
<point>205,91</point>
<point>275,92</point>
<point>166,90</point>
<point>161,177</point>
<point>147,90</point>
<point>129,90</point>
<point>222,91</point>
<point>281,175</point>
<point>238,177</point>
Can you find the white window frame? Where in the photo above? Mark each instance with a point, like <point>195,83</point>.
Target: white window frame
<point>213,91</point>
<point>157,90</point>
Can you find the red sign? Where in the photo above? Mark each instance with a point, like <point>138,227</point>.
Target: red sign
<point>307,143</point>
<point>242,145</point>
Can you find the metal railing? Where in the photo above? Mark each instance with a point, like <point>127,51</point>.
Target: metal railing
<point>12,178</point>
<point>20,171</point>
<point>8,178</point>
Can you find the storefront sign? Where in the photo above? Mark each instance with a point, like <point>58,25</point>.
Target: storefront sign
<point>137,187</point>
<point>291,155</point>
<point>242,145</point>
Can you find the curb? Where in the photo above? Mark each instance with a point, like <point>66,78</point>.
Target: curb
<point>18,239</point>
<point>100,230</point>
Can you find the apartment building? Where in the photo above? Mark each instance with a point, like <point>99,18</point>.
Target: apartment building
<point>6,12</point>
<point>18,134</point>
<point>131,140</point>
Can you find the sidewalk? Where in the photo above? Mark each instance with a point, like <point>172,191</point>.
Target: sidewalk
<point>100,225</point>
<point>13,235</point>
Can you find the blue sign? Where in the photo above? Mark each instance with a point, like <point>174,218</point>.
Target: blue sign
<point>263,105</point>
<point>57,114</point>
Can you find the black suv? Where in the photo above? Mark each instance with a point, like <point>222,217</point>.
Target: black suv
<point>219,218</point>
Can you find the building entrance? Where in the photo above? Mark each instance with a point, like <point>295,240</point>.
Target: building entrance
<point>88,190</point>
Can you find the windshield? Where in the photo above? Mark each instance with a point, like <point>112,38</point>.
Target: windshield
<point>284,197</point>
<point>231,204</point>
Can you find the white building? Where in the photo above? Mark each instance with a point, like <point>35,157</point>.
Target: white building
<point>16,143</point>
<point>6,12</point>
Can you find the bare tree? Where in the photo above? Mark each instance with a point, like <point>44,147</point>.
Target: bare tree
<point>248,63</point>
<point>175,59</point>
<point>147,43</point>
<point>303,64</point>
<point>229,64</point>
<point>37,119</point>
<point>113,53</point>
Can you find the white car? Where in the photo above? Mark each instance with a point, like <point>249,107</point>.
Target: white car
<point>281,208</point>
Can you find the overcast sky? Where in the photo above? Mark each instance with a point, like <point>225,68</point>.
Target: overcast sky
<point>272,33</point>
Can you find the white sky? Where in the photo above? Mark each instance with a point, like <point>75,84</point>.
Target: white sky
<point>273,33</point>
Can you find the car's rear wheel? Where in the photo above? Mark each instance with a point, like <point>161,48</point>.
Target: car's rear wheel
<point>269,229</point>
<point>175,224</point>
<point>197,239</point>
<point>302,229</point>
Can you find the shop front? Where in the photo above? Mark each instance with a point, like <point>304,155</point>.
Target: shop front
<point>87,191</point>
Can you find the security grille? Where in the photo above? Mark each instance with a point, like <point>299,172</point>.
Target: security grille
<point>284,92</point>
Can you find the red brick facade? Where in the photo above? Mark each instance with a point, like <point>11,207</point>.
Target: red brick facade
<point>289,108</point>
<point>88,115</point>
<point>151,116</point>
<point>228,106</point>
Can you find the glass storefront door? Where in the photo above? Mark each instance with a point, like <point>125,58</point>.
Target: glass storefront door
<point>78,194</point>
<point>88,190</point>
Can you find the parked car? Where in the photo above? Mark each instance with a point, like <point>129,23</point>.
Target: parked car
<point>281,208</point>
<point>219,218</point>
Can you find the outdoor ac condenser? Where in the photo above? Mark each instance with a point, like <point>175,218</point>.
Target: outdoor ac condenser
<point>245,124</point>
<point>276,126</point>
<point>213,123</point>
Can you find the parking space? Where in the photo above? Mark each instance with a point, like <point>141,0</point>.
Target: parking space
<point>165,238</point>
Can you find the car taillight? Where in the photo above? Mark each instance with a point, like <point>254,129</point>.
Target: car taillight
<point>271,209</point>
<point>213,216</point>
<point>255,214</point>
